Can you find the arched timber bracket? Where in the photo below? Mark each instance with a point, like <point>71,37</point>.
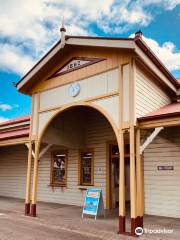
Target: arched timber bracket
<point>79,104</point>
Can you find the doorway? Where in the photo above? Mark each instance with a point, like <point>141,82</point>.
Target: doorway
<point>114,175</point>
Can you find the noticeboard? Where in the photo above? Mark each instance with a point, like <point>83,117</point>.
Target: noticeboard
<point>93,203</point>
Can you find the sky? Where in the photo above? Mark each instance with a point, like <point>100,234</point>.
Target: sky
<point>29,28</point>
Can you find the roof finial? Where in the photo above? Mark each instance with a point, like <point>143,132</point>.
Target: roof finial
<point>62,29</point>
<point>63,33</point>
<point>138,34</point>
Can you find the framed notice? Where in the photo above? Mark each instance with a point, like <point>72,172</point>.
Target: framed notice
<point>93,203</point>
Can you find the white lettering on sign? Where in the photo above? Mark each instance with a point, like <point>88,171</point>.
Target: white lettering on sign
<point>74,64</point>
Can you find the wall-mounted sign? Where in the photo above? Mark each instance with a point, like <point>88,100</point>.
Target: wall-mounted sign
<point>76,63</point>
<point>161,168</point>
<point>93,203</point>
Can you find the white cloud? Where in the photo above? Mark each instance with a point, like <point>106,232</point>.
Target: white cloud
<point>134,16</point>
<point>12,58</point>
<point>167,4</point>
<point>29,27</point>
<point>166,52</point>
<point>3,119</point>
<point>5,107</point>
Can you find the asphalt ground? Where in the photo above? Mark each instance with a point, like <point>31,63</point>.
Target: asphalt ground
<point>63,222</point>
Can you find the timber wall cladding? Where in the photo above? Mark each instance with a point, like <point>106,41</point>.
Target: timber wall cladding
<point>111,106</point>
<point>13,169</point>
<point>162,187</point>
<point>149,96</point>
<point>100,84</point>
<point>98,131</point>
<point>44,118</point>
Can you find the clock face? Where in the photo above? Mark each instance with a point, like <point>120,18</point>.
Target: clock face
<point>74,89</point>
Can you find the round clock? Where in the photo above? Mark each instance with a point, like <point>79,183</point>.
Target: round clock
<point>74,89</point>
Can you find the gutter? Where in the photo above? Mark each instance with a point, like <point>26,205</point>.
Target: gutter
<point>166,115</point>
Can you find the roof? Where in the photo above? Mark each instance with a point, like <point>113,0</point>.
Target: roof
<point>14,134</point>
<point>170,110</point>
<point>15,128</point>
<point>16,120</point>
<point>126,43</point>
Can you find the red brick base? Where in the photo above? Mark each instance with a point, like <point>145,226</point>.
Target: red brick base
<point>33,210</point>
<point>136,222</point>
<point>140,221</point>
<point>134,225</point>
<point>122,223</point>
<point>27,208</point>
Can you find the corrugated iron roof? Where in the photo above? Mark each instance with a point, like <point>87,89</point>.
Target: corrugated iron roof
<point>169,110</point>
<point>16,120</point>
<point>14,134</point>
<point>11,131</point>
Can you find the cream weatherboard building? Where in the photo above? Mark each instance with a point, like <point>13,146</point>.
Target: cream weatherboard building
<point>105,114</point>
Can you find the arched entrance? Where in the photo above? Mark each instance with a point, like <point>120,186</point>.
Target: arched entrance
<point>80,128</point>
<point>89,105</point>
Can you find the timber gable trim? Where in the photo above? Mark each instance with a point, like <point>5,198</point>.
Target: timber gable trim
<point>134,44</point>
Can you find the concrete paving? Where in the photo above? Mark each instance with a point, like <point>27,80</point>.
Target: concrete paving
<point>61,222</point>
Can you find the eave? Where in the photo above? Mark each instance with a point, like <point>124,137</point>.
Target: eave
<point>137,45</point>
<point>15,141</point>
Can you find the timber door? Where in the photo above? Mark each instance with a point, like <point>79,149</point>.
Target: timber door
<point>114,175</point>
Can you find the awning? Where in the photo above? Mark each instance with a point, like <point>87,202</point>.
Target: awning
<point>166,116</point>
<point>15,130</point>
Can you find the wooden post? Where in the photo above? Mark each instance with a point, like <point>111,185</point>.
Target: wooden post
<point>142,185</point>
<point>140,181</point>
<point>133,181</point>
<point>28,180</point>
<point>35,181</point>
<point>29,166</point>
<point>121,186</point>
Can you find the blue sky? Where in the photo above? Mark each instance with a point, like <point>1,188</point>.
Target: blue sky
<point>29,30</point>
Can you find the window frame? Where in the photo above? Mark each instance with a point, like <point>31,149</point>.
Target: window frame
<point>81,151</point>
<point>52,182</point>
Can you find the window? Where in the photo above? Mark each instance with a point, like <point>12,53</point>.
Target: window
<point>86,167</point>
<point>59,168</point>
